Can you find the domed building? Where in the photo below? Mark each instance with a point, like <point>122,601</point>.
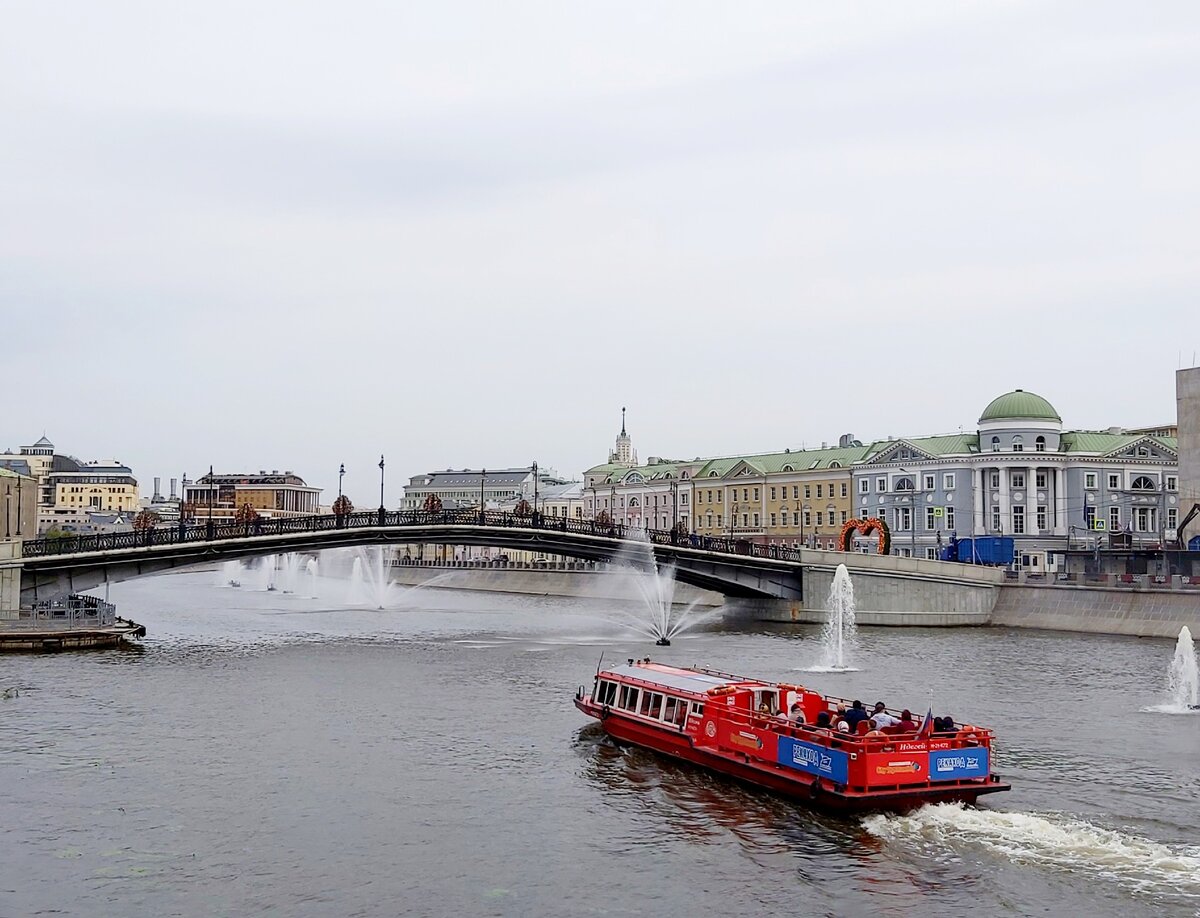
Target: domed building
<point>1023,476</point>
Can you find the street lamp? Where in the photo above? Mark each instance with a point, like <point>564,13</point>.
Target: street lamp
<point>381,504</point>
<point>482,476</point>
<point>7,511</point>
<point>341,475</point>
<point>535,493</point>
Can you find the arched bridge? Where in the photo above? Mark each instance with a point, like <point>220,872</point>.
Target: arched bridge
<point>734,567</point>
<point>76,563</point>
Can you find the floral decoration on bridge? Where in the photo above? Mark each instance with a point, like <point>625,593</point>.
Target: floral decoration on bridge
<point>866,527</point>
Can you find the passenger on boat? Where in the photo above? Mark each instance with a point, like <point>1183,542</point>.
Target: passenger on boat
<point>943,725</point>
<point>856,715</point>
<point>823,721</point>
<point>906,724</point>
<point>873,728</point>
<point>798,714</point>
<point>843,727</point>
<point>881,717</point>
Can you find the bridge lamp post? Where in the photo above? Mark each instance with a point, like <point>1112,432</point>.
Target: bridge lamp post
<point>535,493</point>
<point>341,475</point>
<point>381,504</point>
<point>8,511</point>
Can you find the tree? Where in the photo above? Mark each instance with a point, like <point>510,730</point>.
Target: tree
<point>433,504</point>
<point>342,506</point>
<point>246,514</point>
<point>146,519</point>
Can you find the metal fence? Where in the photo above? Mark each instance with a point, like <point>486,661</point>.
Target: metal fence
<point>73,611</point>
<point>213,530</point>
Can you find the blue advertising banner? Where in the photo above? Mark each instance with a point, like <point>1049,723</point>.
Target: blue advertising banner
<point>814,759</point>
<point>956,764</point>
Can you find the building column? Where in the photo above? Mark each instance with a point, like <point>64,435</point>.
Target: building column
<point>979,517</point>
<point>1005,500</point>
<point>1060,503</point>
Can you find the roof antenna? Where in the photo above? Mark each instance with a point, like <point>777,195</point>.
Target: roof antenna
<point>599,662</point>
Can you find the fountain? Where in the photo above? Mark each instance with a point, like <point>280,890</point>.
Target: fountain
<point>266,573</point>
<point>311,569</point>
<point>291,568</point>
<point>655,587</point>
<point>838,639</point>
<point>1183,679</point>
<point>229,574</point>
<point>370,578</point>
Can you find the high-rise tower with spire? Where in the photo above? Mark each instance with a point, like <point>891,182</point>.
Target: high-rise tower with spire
<point>624,454</point>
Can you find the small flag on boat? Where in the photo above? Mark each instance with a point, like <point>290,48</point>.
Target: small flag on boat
<point>926,725</point>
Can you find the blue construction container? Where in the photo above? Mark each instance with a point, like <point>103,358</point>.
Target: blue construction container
<point>1194,543</point>
<point>993,550</point>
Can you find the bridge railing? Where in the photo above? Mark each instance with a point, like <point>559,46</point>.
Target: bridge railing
<point>214,530</point>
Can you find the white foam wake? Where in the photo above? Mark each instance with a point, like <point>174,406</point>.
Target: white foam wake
<point>1054,841</point>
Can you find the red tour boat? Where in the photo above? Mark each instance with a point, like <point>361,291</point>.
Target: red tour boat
<point>719,721</point>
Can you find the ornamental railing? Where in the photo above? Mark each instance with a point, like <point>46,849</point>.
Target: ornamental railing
<point>220,530</point>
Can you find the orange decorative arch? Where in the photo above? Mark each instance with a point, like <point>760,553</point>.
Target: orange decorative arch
<point>866,527</point>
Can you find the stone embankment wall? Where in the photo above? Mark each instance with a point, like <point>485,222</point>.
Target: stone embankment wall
<point>897,594</point>
<point>1099,610</point>
<point>10,580</point>
<point>587,584</point>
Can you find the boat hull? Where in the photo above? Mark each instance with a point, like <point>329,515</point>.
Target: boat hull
<point>812,791</point>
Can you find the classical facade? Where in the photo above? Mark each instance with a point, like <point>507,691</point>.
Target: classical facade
<point>18,505</point>
<point>272,495</point>
<point>1021,474</point>
<point>496,488</point>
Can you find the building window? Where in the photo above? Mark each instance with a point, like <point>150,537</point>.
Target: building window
<point>880,485</point>
<point>1018,479</point>
<point>1018,520</point>
<point>1039,444</point>
<point>845,517</point>
<point>864,486</point>
<point>756,493</point>
<point>1172,483</point>
<point>930,482</point>
<point>930,519</point>
<point>773,521</point>
<point>719,521</point>
<point>746,521</point>
<point>995,519</point>
<point>995,479</point>
<point>1089,479</point>
<point>950,518</point>
<point>1143,483</point>
<point>1172,517</point>
<point>1040,479</point>
<point>1114,518</point>
<point>881,513</point>
<point>995,444</point>
<point>772,493</point>
<point>1114,482</point>
<point>796,518</point>
<point>948,481</point>
<point>931,554</point>
<point>807,518</point>
<point>1089,517</point>
<point>1041,518</point>
<point>1018,445</point>
<point>795,492</point>
<point>807,492</point>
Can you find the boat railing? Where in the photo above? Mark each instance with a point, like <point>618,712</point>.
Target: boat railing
<point>71,611</point>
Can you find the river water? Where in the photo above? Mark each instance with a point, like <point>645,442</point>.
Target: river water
<point>263,753</point>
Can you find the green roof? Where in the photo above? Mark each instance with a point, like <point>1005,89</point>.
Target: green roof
<point>947,445</point>
<point>1019,404</point>
<point>1102,442</point>
<point>800,460</point>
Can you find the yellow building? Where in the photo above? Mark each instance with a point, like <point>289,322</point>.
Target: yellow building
<point>18,505</point>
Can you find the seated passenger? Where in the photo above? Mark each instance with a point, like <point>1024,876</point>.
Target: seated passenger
<point>843,727</point>
<point>882,717</point>
<point>798,714</point>
<point>873,728</point>
<point>906,724</point>
<point>856,715</point>
<point>823,722</point>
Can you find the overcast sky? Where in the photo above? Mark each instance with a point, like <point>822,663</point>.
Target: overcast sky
<point>291,234</point>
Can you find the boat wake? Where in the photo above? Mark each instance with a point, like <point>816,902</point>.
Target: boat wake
<point>833,668</point>
<point>1055,841</point>
<point>1170,709</point>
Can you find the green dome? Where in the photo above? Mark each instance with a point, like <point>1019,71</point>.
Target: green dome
<point>1019,404</point>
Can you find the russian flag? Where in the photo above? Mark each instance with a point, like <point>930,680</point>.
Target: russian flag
<point>926,726</point>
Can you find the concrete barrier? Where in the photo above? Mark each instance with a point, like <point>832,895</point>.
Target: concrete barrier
<point>1097,609</point>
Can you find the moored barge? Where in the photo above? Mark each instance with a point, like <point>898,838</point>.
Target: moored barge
<point>724,723</point>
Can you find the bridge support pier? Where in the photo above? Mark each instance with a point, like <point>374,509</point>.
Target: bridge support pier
<point>10,580</point>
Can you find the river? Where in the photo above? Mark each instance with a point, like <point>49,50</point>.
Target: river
<point>263,753</point>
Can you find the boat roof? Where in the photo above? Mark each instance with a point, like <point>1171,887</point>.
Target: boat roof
<point>684,680</point>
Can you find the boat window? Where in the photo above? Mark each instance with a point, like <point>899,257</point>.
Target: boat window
<point>669,709</point>
<point>698,708</point>
<point>629,698</point>
<point>607,693</point>
<point>651,704</point>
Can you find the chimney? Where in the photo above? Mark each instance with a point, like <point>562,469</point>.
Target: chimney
<point>173,482</point>
<point>157,489</point>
